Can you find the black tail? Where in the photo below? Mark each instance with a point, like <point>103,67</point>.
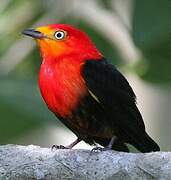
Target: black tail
<point>146,144</point>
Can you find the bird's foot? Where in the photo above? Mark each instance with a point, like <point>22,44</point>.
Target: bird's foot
<point>100,149</point>
<point>55,147</point>
<point>70,146</point>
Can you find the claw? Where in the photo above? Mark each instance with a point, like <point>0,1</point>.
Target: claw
<point>97,149</point>
<point>55,147</point>
<point>107,148</point>
<point>100,149</point>
<point>70,146</point>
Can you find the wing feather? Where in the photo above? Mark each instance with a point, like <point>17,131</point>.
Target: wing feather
<point>115,94</point>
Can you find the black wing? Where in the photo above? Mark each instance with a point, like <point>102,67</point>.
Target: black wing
<point>116,96</point>
<point>112,88</point>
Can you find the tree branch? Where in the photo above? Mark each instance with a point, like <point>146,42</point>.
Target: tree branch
<point>33,162</point>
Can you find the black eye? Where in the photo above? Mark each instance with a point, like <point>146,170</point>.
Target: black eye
<point>59,35</point>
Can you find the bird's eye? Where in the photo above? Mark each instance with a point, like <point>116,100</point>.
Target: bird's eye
<point>59,35</point>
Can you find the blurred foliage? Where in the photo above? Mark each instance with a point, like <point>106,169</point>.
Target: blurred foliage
<point>152,34</point>
<point>21,107</point>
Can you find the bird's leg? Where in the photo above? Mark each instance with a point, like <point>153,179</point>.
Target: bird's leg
<point>108,147</point>
<point>70,146</point>
<point>112,141</point>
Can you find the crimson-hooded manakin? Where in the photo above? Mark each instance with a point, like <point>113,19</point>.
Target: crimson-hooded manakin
<point>87,93</point>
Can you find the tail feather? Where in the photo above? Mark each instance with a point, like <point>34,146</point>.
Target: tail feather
<point>143,143</point>
<point>146,144</point>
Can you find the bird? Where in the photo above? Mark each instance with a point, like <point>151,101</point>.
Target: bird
<point>88,93</point>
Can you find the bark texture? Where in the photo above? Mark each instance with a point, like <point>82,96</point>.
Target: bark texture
<point>33,162</point>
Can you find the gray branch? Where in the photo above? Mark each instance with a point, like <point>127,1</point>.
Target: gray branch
<point>33,162</point>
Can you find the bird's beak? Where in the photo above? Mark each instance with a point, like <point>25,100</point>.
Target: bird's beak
<point>33,33</point>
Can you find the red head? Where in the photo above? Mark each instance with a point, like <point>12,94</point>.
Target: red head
<point>61,40</point>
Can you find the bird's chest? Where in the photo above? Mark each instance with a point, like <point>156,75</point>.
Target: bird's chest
<point>61,86</point>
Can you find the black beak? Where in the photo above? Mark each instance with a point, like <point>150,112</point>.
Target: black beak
<point>33,33</point>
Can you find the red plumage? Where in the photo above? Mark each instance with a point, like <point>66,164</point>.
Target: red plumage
<point>61,85</point>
